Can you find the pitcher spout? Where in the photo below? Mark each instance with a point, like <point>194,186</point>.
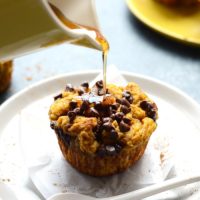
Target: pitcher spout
<point>78,19</point>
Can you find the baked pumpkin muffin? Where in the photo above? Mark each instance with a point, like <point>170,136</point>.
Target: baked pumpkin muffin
<point>5,75</point>
<point>103,134</point>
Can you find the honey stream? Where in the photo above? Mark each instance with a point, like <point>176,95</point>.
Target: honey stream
<point>99,38</point>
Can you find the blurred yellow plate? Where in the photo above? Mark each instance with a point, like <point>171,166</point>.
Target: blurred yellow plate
<point>179,23</point>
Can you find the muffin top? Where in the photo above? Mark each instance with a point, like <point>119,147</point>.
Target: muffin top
<point>104,124</point>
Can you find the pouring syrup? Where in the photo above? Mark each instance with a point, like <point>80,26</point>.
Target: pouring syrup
<point>89,30</point>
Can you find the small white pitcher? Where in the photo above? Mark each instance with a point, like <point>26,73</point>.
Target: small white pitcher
<point>29,25</point>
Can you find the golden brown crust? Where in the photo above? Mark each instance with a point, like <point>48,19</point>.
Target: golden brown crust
<point>101,166</point>
<point>5,75</point>
<point>98,144</point>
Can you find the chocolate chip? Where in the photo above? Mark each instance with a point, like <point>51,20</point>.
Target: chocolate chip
<point>80,92</point>
<point>58,97</point>
<point>101,92</point>
<point>84,106</point>
<point>125,109</point>
<point>98,132</point>
<point>101,151</point>
<point>145,105</point>
<point>125,102</point>
<point>152,114</point>
<point>119,116</point>
<point>71,115</point>
<point>130,99</point>
<point>77,111</point>
<point>124,127</point>
<point>53,125</point>
<point>127,120</point>
<point>115,106</point>
<point>72,105</point>
<point>99,84</point>
<point>128,96</point>
<point>118,148</point>
<point>85,85</point>
<point>98,136</point>
<point>107,119</point>
<point>107,126</point>
<point>69,88</point>
<point>92,112</point>
<point>149,109</point>
<point>110,150</point>
<point>113,116</point>
<point>118,101</point>
<point>98,106</point>
<point>113,135</point>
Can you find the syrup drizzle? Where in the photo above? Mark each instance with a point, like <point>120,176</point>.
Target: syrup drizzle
<point>99,37</point>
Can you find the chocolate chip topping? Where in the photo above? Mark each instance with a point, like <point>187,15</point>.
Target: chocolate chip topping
<point>107,92</point>
<point>101,92</point>
<point>118,147</point>
<point>71,115</point>
<point>85,85</point>
<point>115,106</point>
<point>118,101</point>
<point>85,105</point>
<point>58,97</point>
<point>106,109</point>
<point>69,88</point>
<point>125,109</point>
<point>109,150</point>
<point>145,105</point>
<point>101,151</point>
<point>72,105</point>
<point>81,92</point>
<point>107,126</point>
<point>123,126</point>
<point>99,84</point>
<point>77,111</point>
<point>128,96</point>
<point>152,114</point>
<point>118,116</point>
<point>127,120</point>
<point>92,112</point>
<point>149,109</point>
<point>125,102</point>
<point>107,119</point>
<point>98,132</point>
<point>113,135</point>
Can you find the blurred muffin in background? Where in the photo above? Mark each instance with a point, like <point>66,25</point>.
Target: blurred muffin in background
<point>5,75</point>
<point>179,2</point>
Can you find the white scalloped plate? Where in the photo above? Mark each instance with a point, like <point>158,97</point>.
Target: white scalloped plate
<point>178,114</point>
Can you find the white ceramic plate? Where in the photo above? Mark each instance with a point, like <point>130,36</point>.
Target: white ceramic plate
<point>179,115</point>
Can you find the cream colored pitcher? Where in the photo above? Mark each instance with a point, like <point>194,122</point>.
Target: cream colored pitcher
<point>30,25</point>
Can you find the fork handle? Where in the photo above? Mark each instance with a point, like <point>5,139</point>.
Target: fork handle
<point>156,188</point>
